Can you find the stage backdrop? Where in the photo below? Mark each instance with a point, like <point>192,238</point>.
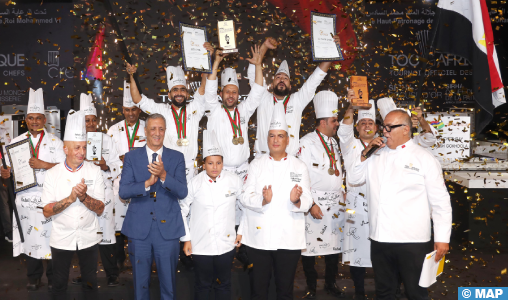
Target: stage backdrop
<point>36,52</point>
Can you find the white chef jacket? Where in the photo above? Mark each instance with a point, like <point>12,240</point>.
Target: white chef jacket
<point>297,103</point>
<point>194,112</point>
<point>107,218</point>
<point>212,222</point>
<point>279,224</point>
<point>76,225</point>
<point>36,228</point>
<point>405,186</point>
<point>218,120</point>
<point>121,143</point>
<point>324,236</point>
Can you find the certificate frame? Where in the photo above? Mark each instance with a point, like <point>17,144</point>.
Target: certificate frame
<point>334,18</point>
<point>184,60</point>
<point>8,149</point>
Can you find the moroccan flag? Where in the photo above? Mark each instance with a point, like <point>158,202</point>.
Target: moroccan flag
<point>464,28</point>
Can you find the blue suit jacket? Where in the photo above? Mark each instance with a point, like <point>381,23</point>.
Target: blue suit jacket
<point>143,206</point>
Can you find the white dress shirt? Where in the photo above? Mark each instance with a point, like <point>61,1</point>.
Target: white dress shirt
<point>76,225</point>
<point>297,103</point>
<point>149,154</point>
<point>405,187</point>
<point>212,213</point>
<point>218,120</point>
<point>194,113</point>
<point>279,224</point>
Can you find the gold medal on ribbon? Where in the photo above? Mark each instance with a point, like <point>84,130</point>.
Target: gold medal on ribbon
<point>235,141</point>
<point>241,140</point>
<point>179,142</point>
<point>331,171</point>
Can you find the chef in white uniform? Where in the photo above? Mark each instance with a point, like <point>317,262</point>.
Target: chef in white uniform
<point>320,152</point>
<point>182,118</point>
<point>5,211</point>
<point>293,103</point>
<point>47,151</point>
<point>73,196</point>
<point>210,235</point>
<point>356,246</point>
<point>126,135</point>
<point>426,135</point>
<point>230,120</point>
<point>405,190</point>
<point>110,167</point>
<point>276,196</point>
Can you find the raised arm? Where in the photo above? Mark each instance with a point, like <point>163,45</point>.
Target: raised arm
<point>254,99</point>
<point>135,94</point>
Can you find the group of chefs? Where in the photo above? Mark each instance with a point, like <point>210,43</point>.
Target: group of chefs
<point>291,201</point>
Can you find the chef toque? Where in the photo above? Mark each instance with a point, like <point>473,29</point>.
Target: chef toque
<point>368,113</point>
<point>228,76</point>
<point>283,68</point>
<point>35,102</point>
<point>278,121</point>
<point>75,129</point>
<point>326,104</point>
<point>175,76</point>
<point>127,98</point>
<point>86,104</point>
<point>210,144</point>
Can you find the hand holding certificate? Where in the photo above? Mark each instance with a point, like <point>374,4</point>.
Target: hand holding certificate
<point>195,56</point>
<point>19,155</point>
<point>324,47</point>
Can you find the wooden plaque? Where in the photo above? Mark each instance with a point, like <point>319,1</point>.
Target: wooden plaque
<point>361,88</point>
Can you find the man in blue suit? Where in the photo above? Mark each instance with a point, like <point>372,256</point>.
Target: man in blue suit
<point>154,178</point>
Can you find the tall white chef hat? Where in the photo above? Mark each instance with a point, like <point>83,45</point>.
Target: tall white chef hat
<point>368,113</point>
<point>228,76</point>
<point>210,144</point>
<point>284,68</point>
<point>278,121</point>
<point>386,105</point>
<point>75,129</point>
<point>326,104</point>
<point>127,98</point>
<point>175,76</point>
<point>35,102</point>
<point>86,105</point>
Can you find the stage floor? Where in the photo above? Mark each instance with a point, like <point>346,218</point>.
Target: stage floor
<point>465,268</point>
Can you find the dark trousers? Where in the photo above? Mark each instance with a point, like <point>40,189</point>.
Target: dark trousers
<point>35,269</point>
<point>358,276</point>
<point>108,257</point>
<point>283,263</point>
<point>388,259</point>
<point>120,247</point>
<point>88,265</point>
<point>5,210</point>
<point>143,252</point>
<point>213,272</point>
<point>331,270</point>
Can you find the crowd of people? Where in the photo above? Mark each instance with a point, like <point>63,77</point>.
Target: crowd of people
<point>330,192</point>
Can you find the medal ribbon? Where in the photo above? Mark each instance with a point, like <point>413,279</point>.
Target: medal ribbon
<point>363,144</point>
<point>181,127</point>
<point>235,123</point>
<point>70,169</point>
<point>331,153</point>
<point>285,101</point>
<point>35,151</point>
<point>130,139</point>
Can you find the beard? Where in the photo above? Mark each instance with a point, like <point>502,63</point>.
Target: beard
<point>178,104</point>
<point>281,91</point>
<point>230,106</point>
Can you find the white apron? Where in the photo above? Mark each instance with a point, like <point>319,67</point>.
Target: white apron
<point>356,232</point>
<point>325,236</point>
<point>36,228</point>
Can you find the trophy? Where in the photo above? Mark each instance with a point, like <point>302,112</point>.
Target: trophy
<point>361,89</point>
<point>227,39</point>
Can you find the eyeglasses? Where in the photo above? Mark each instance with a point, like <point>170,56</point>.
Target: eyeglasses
<point>389,128</point>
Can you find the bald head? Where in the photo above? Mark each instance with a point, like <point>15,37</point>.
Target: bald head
<point>398,135</point>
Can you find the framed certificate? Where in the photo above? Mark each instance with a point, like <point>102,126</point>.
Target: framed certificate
<point>94,145</point>
<point>322,28</point>
<point>227,37</point>
<point>19,154</point>
<point>195,57</point>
